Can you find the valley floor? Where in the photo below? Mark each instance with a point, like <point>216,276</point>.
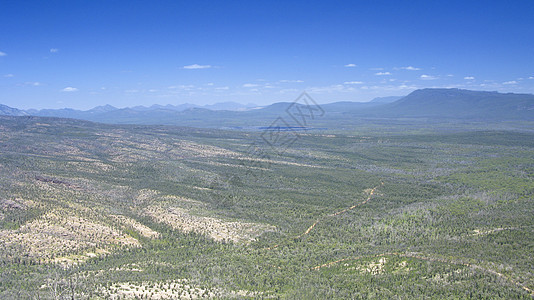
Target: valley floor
<point>92,211</point>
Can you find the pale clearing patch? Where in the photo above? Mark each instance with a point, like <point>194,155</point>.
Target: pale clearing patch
<point>374,268</point>
<point>217,229</point>
<point>199,150</point>
<point>176,289</point>
<point>489,231</point>
<point>54,235</point>
<point>75,259</point>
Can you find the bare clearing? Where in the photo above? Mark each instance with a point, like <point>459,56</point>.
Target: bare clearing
<point>215,228</point>
<point>176,289</point>
<point>54,235</point>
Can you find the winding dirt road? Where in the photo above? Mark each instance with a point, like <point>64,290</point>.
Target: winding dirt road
<point>371,193</point>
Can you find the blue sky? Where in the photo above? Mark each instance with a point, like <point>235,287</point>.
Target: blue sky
<point>81,54</point>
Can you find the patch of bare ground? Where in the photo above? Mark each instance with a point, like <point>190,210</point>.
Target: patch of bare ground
<point>142,229</point>
<point>219,230</point>
<point>176,289</point>
<point>280,162</point>
<point>7,204</point>
<point>59,237</point>
<point>482,232</point>
<point>91,167</point>
<point>199,150</point>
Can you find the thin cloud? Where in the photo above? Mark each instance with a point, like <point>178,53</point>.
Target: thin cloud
<point>350,66</point>
<point>382,73</point>
<point>531,77</point>
<point>250,85</point>
<point>186,87</point>
<point>353,82</point>
<point>9,75</point>
<point>69,89</point>
<point>409,68</point>
<point>428,77</point>
<point>3,53</point>
<point>54,50</point>
<point>196,66</point>
<point>469,78</point>
<point>222,88</point>
<point>510,82</point>
<point>292,81</point>
<point>32,83</point>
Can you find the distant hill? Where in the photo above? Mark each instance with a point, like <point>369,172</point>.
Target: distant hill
<point>459,104</point>
<point>425,104</point>
<point>9,111</point>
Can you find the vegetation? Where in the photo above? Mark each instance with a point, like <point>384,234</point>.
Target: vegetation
<point>92,211</point>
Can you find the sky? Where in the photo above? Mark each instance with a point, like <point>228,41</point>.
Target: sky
<point>81,54</point>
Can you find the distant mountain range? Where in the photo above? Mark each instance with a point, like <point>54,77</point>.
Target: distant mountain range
<point>425,103</point>
<point>9,111</point>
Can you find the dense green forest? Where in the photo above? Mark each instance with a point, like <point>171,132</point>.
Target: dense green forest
<point>92,211</point>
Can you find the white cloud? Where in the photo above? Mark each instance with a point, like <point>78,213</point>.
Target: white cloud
<point>69,89</point>
<point>186,87</point>
<point>382,73</point>
<point>9,75</point>
<point>250,85</point>
<point>210,84</point>
<point>292,81</point>
<point>469,78</point>
<point>3,53</point>
<point>222,88</point>
<point>428,77</point>
<point>409,68</point>
<point>510,82</point>
<point>54,50</point>
<point>196,66</point>
<point>350,66</point>
<point>353,82</point>
<point>406,87</point>
<point>531,77</point>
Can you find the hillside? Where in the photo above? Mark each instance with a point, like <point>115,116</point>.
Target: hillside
<point>461,104</point>
<point>9,111</point>
<point>124,211</point>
